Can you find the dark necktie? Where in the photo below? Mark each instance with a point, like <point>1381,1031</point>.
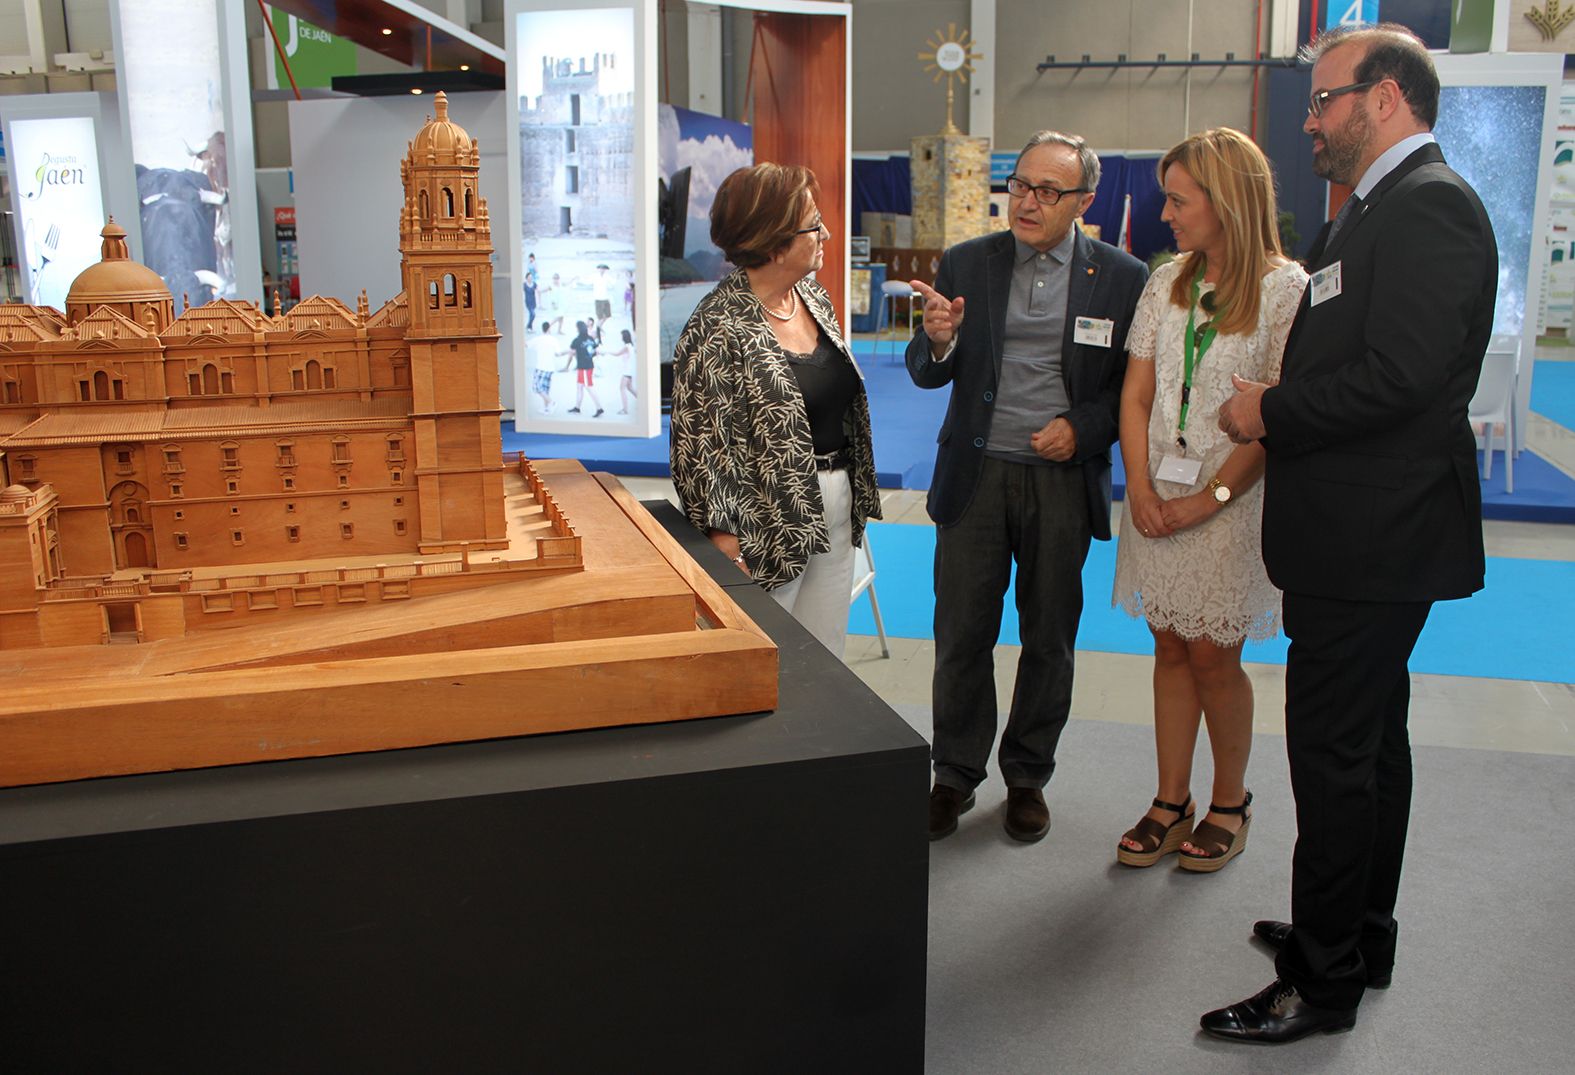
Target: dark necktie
<point>1352,206</point>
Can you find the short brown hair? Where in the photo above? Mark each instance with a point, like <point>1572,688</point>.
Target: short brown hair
<point>757,211</point>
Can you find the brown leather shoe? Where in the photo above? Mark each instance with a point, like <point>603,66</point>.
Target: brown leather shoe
<point>1027,816</point>
<point>946,805</point>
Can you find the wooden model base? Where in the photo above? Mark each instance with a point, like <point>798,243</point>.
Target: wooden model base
<point>641,635</point>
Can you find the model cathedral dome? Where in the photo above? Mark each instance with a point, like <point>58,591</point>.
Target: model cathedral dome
<point>121,284</point>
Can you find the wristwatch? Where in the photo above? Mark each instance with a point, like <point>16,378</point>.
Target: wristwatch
<point>1221,492</point>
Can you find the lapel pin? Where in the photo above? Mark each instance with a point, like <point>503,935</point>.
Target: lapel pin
<point>1089,271</point>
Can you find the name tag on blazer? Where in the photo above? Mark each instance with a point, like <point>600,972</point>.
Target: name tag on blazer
<point>1093,331</point>
<point>1326,283</point>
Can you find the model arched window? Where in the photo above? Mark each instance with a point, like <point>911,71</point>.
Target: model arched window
<point>465,287</point>
<point>210,380</point>
<point>432,295</point>
<point>448,202</point>
<point>100,385</point>
<point>425,207</point>
<point>314,374</point>
<point>470,202</point>
<point>448,289</point>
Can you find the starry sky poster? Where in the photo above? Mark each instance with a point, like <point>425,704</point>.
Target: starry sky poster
<point>1482,129</point>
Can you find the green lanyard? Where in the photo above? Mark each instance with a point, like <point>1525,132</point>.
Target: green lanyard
<point>1193,348</point>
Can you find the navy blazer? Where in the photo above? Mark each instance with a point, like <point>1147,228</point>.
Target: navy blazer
<point>1105,283</point>
<point>1371,490</point>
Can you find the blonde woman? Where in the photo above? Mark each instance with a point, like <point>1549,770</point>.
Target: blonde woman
<point>1189,559</point>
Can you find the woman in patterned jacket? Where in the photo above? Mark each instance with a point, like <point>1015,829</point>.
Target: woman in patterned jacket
<point>771,451</point>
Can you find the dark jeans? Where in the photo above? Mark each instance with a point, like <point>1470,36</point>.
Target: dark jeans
<point>1347,696</point>
<point>1037,516</point>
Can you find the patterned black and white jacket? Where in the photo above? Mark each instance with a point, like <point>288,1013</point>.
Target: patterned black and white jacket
<point>742,458</point>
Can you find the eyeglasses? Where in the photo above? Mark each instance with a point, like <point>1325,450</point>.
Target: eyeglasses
<point>819,228</point>
<point>1018,187</point>
<point>1318,101</point>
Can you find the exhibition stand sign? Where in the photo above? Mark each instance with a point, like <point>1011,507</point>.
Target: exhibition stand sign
<point>60,203</point>
<point>582,163</point>
<point>69,174</point>
<point>1494,108</point>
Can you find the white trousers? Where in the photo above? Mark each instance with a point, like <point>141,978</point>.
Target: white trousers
<point>819,598</point>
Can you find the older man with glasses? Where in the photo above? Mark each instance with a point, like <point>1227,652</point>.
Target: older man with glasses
<point>1029,329</point>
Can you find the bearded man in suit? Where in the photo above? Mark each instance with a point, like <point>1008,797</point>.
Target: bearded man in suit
<point>1372,509</point>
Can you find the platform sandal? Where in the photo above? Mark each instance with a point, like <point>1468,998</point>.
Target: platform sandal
<point>1218,845</point>
<point>1160,839</point>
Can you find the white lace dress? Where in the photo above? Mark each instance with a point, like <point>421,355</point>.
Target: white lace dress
<point>1207,581</point>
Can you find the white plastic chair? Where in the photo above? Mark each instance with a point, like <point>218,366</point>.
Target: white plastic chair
<point>1494,403</point>
<point>864,579</point>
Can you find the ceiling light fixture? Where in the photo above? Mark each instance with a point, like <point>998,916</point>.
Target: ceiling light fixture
<point>416,91</point>
<point>387,32</point>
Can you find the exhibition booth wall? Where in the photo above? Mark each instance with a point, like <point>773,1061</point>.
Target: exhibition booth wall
<point>347,195</point>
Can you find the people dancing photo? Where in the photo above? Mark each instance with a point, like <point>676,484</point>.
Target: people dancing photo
<point>1189,560</point>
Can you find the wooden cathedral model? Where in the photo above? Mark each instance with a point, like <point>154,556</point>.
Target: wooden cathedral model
<point>230,537</point>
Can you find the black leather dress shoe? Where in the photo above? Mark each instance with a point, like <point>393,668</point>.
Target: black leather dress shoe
<point>1027,816</point>
<point>1275,1016</point>
<point>1275,934</point>
<point>946,805</point>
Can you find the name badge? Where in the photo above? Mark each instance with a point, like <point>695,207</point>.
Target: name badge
<point>1093,331</point>
<point>1175,468</point>
<point>1325,283</point>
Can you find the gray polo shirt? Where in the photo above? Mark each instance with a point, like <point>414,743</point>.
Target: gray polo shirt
<point>1032,390</point>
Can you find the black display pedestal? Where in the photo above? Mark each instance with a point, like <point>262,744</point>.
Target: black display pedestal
<point>734,894</point>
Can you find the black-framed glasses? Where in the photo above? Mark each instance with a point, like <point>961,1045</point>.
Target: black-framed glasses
<point>818,228</point>
<point>1019,187</point>
<point>1318,101</point>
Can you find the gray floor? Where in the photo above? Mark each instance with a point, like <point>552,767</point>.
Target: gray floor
<point>1050,957</point>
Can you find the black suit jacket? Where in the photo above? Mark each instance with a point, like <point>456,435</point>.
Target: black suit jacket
<point>1371,490</point>
<point>1105,283</point>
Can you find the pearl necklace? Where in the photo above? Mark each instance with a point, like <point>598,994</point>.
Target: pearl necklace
<point>792,306</point>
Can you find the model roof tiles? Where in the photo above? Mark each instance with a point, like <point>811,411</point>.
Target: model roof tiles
<point>30,324</point>
<point>78,427</point>
<point>395,313</point>
<point>319,313</point>
<point>220,317</point>
<point>105,323</point>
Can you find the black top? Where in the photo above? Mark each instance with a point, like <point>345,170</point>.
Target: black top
<point>584,349</point>
<point>828,384</point>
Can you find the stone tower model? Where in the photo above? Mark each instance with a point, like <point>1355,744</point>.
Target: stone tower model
<point>950,174</point>
<point>445,239</point>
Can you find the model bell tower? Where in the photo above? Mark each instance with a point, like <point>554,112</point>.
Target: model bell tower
<point>445,239</point>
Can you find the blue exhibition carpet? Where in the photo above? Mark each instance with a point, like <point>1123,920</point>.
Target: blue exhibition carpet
<point>1553,391</point>
<point>1518,627</point>
<point>905,420</point>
